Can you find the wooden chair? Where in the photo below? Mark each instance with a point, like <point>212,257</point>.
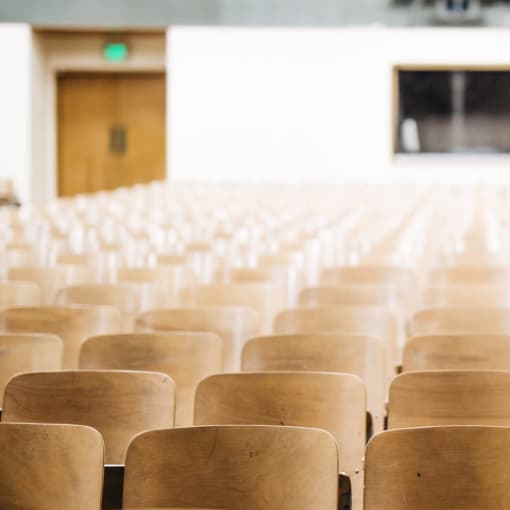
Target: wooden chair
<point>457,352</point>
<point>28,353</point>
<point>329,401</point>
<point>450,397</point>
<point>51,279</point>
<point>73,324</point>
<point>370,321</point>
<point>170,280</point>
<point>185,357</point>
<point>470,275</point>
<point>290,278</point>
<point>266,298</point>
<point>239,467</point>
<point>445,468</point>
<point>472,320</point>
<point>348,295</point>
<point>19,294</point>
<point>50,466</point>
<point>126,298</point>
<point>401,277</point>
<point>233,324</point>
<point>119,404</point>
<point>170,260</point>
<point>360,355</point>
<point>463,296</point>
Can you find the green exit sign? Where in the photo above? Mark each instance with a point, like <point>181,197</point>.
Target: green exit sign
<point>115,52</point>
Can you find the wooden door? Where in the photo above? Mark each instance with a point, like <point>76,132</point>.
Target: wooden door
<point>111,131</point>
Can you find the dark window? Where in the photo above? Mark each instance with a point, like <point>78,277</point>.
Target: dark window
<point>454,111</point>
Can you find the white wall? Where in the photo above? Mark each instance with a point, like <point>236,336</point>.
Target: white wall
<point>15,84</point>
<point>308,103</point>
<point>252,103</point>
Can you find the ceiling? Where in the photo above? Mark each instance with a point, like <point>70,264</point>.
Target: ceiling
<point>124,14</point>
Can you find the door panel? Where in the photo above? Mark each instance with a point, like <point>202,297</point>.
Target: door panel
<point>111,131</point>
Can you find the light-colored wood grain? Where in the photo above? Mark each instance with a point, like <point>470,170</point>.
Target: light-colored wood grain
<point>19,294</point>
<point>28,353</point>
<point>126,298</point>
<point>371,321</point>
<point>361,355</point>
<point>73,324</point>
<point>50,466</point>
<point>450,397</point>
<point>457,352</point>
<point>402,277</point>
<point>291,279</point>
<point>169,279</point>
<point>349,295</point>
<point>329,401</point>
<point>119,404</point>
<point>185,357</point>
<point>472,320</point>
<point>240,467</point>
<point>233,324</point>
<point>51,279</point>
<point>470,275</point>
<point>266,298</point>
<point>444,468</point>
<point>466,296</point>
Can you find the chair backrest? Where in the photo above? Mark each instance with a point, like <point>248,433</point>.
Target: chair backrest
<point>50,466</point>
<point>348,295</point>
<point>185,357</point>
<point>19,294</point>
<point>119,404</point>
<point>450,397</point>
<point>361,355</point>
<point>470,275</point>
<point>51,279</point>
<point>28,353</point>
<point>434,321</point>
<point>239,467</point>
<point>124,297</point>
<point>445,468</point>
<point>73,324</point>
<point>457,352</point>
<point>233,324</point>
<point>266,298</point>
<point>402,278</point>
<point>170,279</point>
<point>360,320</point>
<point>329,401</point>
<point>465,296</point>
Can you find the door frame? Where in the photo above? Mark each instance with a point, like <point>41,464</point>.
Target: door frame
<point>55,52</point>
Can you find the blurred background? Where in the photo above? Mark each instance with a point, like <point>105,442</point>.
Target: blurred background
<point>95,95</point>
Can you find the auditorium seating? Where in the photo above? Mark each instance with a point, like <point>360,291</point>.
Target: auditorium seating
<point>450,397</point>
<point>187,357</point>
<point>238,319</point>
<point>462,351</point>
<point>233,324</point>
<point>361,355</point>
<point>371,321</point>
<point>73,324</point>
<point>330,401</point>
<point>50,466</point>
<point>19,294</point>
<point>438,467</point>
<point>28,353</point>
<point>119,404</point>
<point>246,467</point>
